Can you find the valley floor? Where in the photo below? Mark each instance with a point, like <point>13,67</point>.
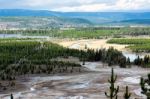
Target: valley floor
<point>89,85</point>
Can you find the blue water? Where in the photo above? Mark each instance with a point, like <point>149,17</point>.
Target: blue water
<point>19,36</point>
<point>10,35</point>
<point>132,56</point>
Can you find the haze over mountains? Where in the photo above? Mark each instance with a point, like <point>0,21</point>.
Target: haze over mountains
<point>76,18</point>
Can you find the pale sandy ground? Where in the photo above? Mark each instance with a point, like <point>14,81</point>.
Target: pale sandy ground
<point>90,43</point>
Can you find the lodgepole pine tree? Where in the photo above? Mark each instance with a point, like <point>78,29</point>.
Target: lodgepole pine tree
<point>127,95</point>
<point>11,96</point>
<point>145,83</point>
<point>113,91</point>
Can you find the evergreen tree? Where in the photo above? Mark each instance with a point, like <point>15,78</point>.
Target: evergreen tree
<point>145,83</point>
<point>113,91</point>
<point>122,62</point>
<point>127,95</point>
<point>128,62</point>
<point>11,96</point>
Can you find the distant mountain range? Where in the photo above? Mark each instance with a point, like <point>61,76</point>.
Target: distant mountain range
<point>88,18</point>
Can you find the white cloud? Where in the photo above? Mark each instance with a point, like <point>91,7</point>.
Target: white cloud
<point>131,4</point>
<point>119,5</point>
<point>86,8</point>
<point>34,3</point>
<point>80,5</point>
<point>51,3</point>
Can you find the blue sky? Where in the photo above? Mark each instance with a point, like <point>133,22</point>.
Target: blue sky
<point>78,5</point>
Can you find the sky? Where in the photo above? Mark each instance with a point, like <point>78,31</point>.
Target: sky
<point>77,5</point>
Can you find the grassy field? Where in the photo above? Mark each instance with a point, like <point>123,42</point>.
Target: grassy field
<point>136,45</point>
<point>129,41</point>
<point>91,32</point>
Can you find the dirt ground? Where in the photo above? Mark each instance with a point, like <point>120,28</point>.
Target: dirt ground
<point>90,43</point>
